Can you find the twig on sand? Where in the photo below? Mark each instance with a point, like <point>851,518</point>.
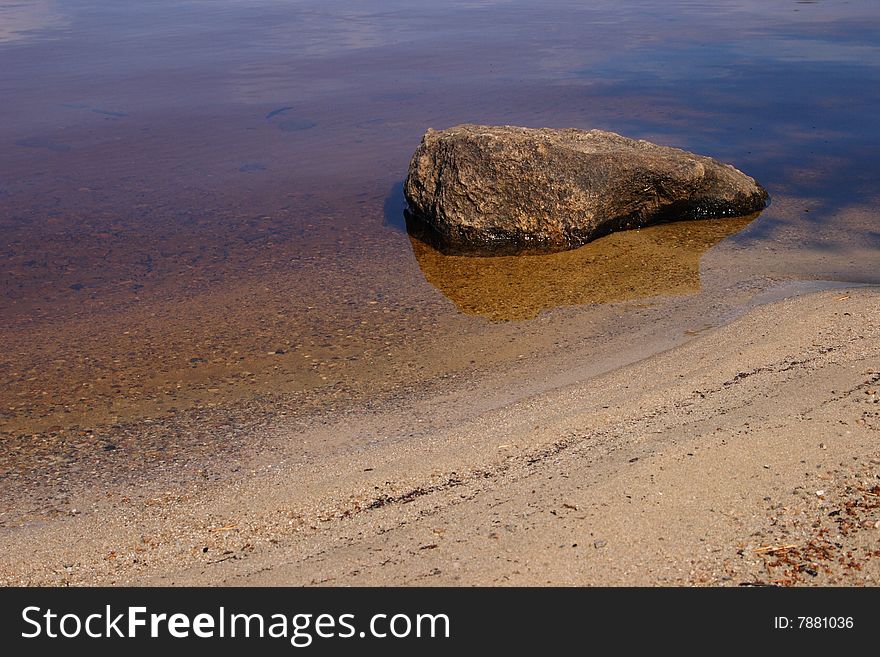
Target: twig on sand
<point>222,559</point>
<point>771,549</point>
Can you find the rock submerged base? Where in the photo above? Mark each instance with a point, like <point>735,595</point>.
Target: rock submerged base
<point>491,190</point>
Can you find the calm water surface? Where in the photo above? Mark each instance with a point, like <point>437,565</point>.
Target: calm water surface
<point>203,197</point>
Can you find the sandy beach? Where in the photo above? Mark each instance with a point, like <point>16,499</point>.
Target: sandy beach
<point>746,454</point>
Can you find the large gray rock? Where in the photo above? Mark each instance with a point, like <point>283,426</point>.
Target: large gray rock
<point>503,189</point>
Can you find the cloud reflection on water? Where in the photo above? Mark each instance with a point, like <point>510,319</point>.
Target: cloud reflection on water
<point>21,20</point>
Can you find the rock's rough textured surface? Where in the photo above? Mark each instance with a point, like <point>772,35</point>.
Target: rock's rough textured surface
<point>504,189</point>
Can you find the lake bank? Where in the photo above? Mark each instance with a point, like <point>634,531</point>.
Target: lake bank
<point>646,471</point>
<point>217,332</point>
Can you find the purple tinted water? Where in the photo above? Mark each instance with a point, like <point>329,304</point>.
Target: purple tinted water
<point>165,151</point>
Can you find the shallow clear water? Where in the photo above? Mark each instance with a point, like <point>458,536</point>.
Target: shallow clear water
<point>237,164</point>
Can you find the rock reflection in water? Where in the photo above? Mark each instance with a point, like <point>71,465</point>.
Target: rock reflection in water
<point>632,264</point>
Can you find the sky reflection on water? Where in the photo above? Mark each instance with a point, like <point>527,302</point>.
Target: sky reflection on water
<point>305,114</point>
<point>203,196</point>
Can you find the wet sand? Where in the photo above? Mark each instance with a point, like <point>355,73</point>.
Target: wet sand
<point>746,454</point>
